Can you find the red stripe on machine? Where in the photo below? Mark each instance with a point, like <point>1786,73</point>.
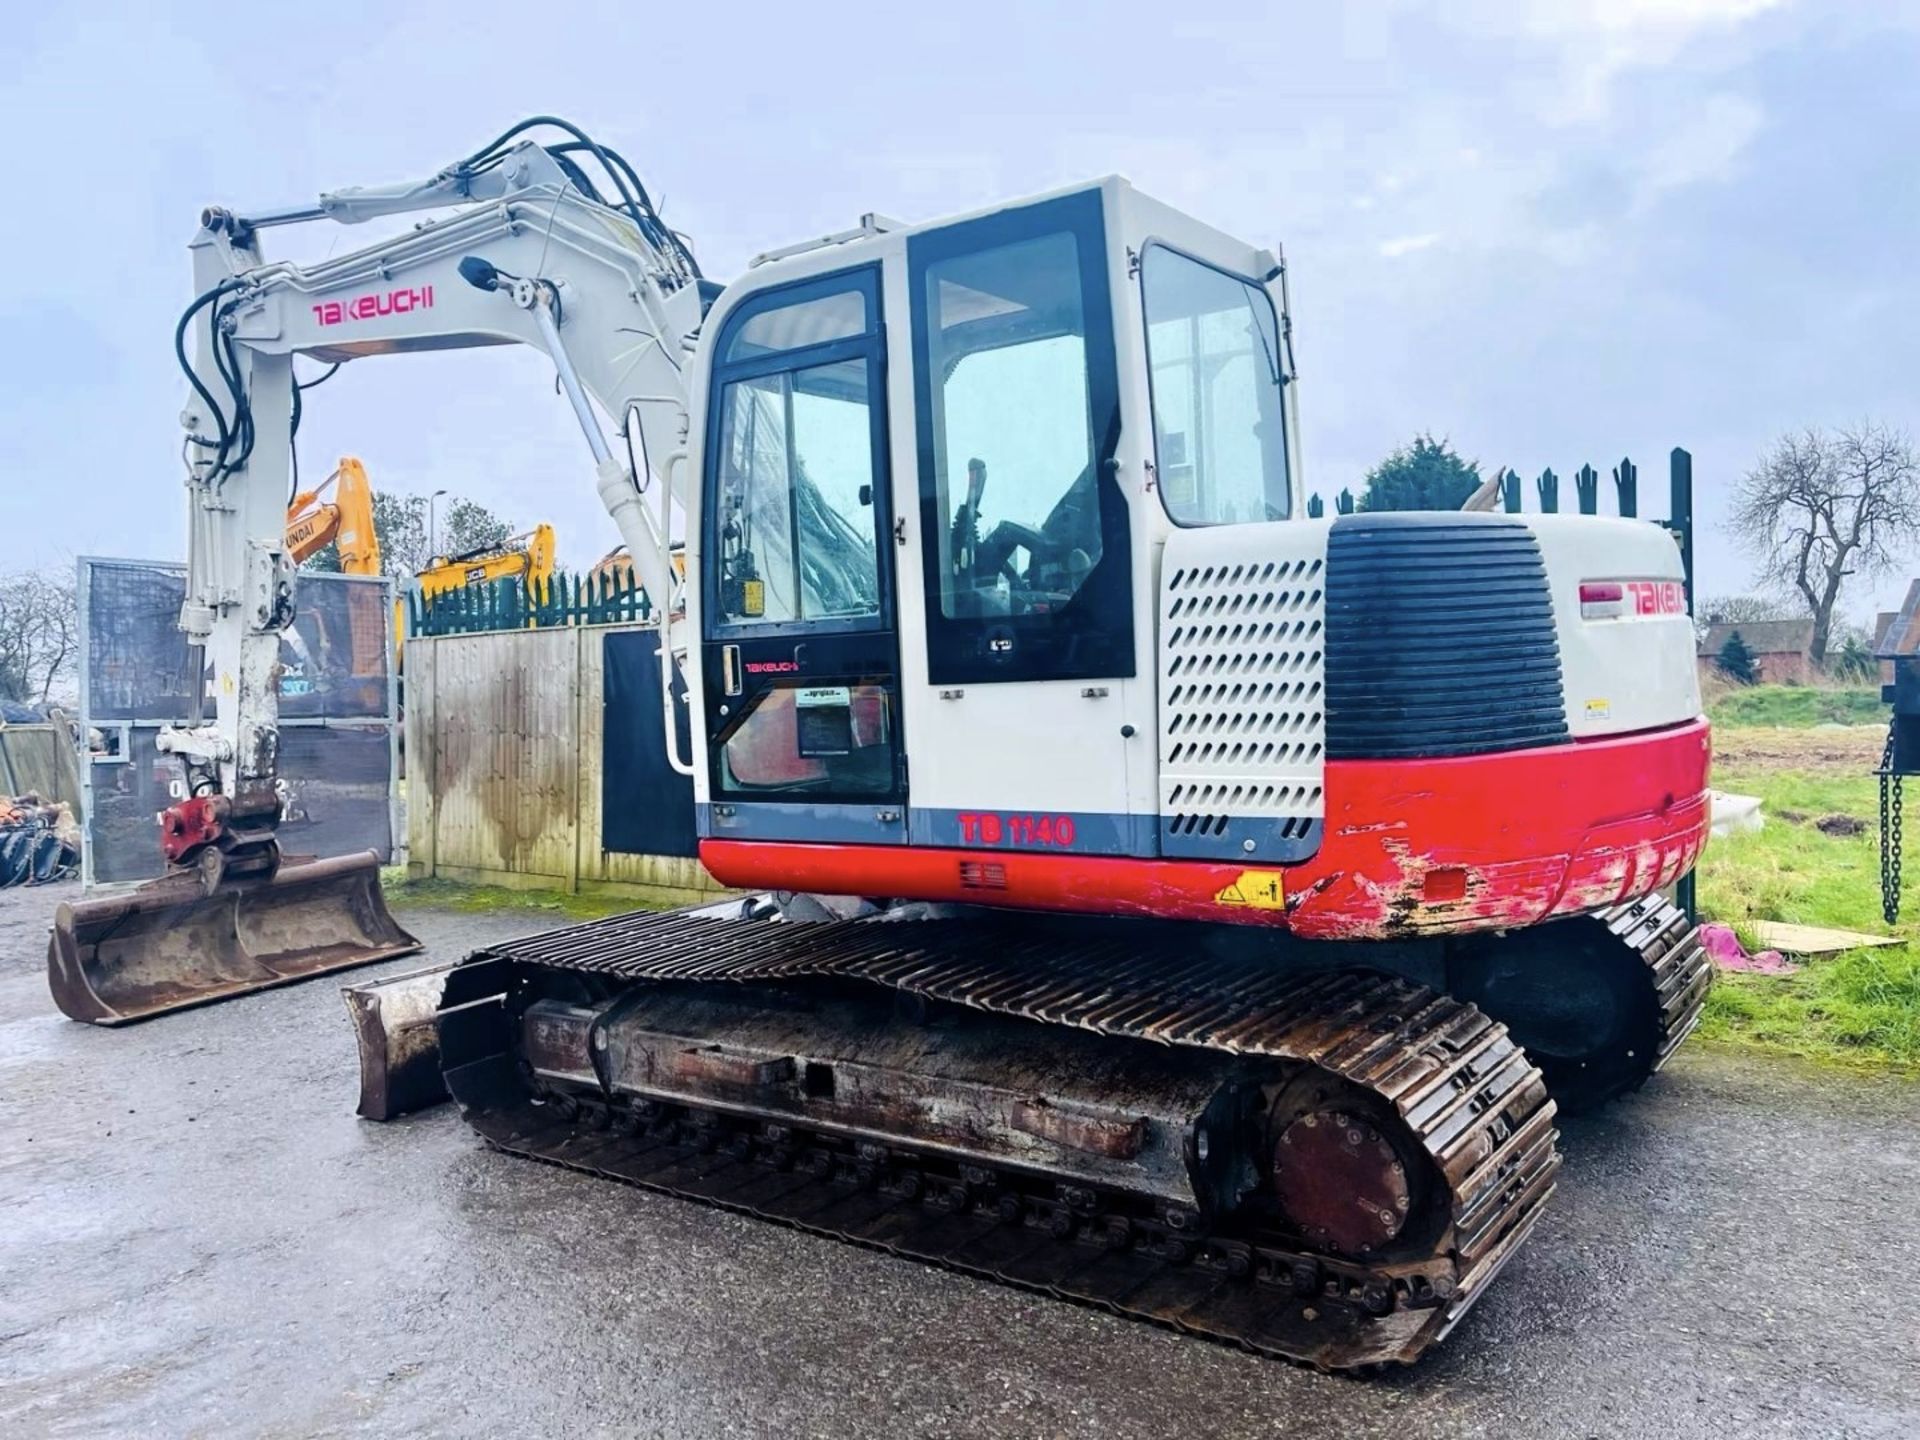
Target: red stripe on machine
<point>1410,847</point>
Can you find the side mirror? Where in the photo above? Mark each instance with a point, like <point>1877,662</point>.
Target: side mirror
<point>479,273</point>
<point>866,494</point>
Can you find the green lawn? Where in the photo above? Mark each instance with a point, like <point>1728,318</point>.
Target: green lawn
<point>1862,1007</point>
<point>1798,706</point>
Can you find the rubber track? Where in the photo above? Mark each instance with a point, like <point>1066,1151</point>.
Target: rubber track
<point>1668,943</point>
<point>1466,1092</point>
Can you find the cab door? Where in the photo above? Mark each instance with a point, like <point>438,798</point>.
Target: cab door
<point>800,657</point>
<point>1021,673</point>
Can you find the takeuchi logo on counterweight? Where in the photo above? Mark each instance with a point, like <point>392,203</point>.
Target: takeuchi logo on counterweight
<point>380,302</point>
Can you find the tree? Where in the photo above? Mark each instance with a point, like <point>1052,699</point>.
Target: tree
<point>39,636</point>
<point>1820,509</point>
<point>468,526</point>
<point>1736,661</point>
<point>1852,659</point>
<point>400,523</point>
<point>1426,475</point>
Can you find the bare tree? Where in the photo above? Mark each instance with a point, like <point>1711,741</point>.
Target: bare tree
<point>39,636</point>
<point>1819,509</point>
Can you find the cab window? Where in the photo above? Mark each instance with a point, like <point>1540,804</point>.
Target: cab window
<point>794,450</point>
<point>1025,531</point>
<point>1213,350</point>
<point>796,496</point>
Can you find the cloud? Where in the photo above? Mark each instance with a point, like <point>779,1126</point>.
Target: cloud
<point>1592,43</point>
<point>1703,146</point>
<point>1406,244</point>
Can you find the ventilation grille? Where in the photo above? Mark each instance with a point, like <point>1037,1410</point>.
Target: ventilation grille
<point>1242,693</point>
<point>1440,638</point>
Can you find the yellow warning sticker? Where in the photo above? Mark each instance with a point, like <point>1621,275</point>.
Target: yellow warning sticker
<point>1255,889</point>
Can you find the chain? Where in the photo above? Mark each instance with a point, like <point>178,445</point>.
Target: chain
<point>1890,798</point>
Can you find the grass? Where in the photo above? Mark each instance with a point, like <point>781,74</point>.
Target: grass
<point>491,899</point>
<point>1797,706</point>
<point>1858,1008</point>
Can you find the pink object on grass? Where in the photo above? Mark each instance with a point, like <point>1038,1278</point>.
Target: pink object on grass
<point>1723,947</point>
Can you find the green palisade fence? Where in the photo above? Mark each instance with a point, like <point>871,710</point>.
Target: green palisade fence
<point>519,605</point>
<point>1586,490</point>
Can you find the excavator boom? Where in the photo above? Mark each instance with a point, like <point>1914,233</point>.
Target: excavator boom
<point>228,885</point>
<point>348,519</point>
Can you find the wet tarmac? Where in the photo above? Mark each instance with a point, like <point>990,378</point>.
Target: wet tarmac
<point>198,1237</point>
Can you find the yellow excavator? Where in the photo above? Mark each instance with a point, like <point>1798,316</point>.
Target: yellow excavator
<point>527,557</point>
<point>346,519</point>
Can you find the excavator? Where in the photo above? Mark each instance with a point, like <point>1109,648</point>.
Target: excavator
<point>1166,900</point>
<point>314,523</point>
<point>347,522</point>
<point>527,558</point>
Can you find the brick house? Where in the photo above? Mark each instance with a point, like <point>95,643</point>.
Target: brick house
<point>1779,649</point>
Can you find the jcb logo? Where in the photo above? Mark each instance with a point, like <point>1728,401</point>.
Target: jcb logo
<point>1657,597</point>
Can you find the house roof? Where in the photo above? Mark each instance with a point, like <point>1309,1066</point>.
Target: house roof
<point>1761,637</point>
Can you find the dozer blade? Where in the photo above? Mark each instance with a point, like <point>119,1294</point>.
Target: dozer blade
<point>170,944</point>
<point>393,1024</point>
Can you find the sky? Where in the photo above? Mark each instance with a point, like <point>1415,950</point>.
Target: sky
<point>1552,231</point>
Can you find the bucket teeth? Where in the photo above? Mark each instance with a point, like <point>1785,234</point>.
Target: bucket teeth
<point>170,944</point>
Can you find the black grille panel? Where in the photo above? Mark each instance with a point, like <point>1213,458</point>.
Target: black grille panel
<point>1440,638</point>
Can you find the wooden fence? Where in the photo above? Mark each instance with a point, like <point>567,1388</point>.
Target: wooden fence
<point>505,760</point>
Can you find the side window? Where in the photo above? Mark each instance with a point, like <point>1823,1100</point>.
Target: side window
<point>796,497</point>
<point>823,739</point>
<point>1213,349</point>
<point>1024,527</point>
<point>797,507</point>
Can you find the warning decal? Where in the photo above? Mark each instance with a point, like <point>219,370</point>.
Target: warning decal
<point>1255,889</point>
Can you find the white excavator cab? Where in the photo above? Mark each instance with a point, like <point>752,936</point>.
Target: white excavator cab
<point>935,471</point>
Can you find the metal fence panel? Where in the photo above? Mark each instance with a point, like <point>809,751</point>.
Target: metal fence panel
<point>338,708</point>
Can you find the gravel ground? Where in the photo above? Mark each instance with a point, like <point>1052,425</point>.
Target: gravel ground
<point>197,1236</point>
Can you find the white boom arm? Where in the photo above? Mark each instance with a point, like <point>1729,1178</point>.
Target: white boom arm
<point>528,258</point>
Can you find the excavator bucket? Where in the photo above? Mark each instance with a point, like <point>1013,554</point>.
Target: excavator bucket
<point>171,944</point>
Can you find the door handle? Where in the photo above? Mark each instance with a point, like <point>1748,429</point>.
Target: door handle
<point>730,669</point>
